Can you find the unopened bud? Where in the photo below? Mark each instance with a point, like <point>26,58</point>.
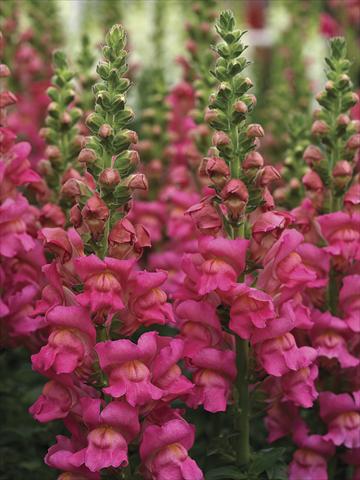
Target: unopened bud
<point>235,196</point>
<point>109,177</point>
<point>267,175</point>
<point>65,118</point>
<point>44,167</point>
<point>253,160</point>
<point>312,181</point>
<point>220,138</point>
<point>137,181</point>
<point>52,152</point>
<point>329,86</point>
<point>240,107</point>
<point>343,120</point>
<point>255,130</point>
<point>75,216</point>
<point>4,70</point>
<point>319,127</point>
<point>87,156</point>
<point>105,130</point>
<point>7,99</point>
<point>210,115</point>
<point>344,80</point>
<point>342,173</point>
<point>217,170</point>
<point>312,154</point>
<point>354,142</point>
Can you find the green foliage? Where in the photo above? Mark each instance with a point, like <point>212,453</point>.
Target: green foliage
<point>23,441</point>
<point>332,127</point>
<point>61,123</point>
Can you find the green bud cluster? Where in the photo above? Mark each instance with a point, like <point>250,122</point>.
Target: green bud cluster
<point>230,106</point>
<point>201,34</point>
<point>61,131</point>
<point>108,155</point>
<point>336,135</point>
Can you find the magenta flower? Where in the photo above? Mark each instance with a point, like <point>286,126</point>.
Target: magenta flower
<point>199,326</point>
<point>110,431</point>
<point>56,240</point>
<point>224,262</point>
<point>350,301</point>
<point>215,371</point>
<point>146,301</point>
<point>60,397</point>
<point>283,418</point>
<point>13,228</point>
<point>128,366</point>
<point>342,415</point>
<point>70,343</point>
<point>166,373</point>
<point>329,336</point>
<point>342,233</point>
<point>164,451</point>
<point>284,266</point>
<point>250,310</point>
<point>104,281</point>
<point>310,460</point>
<point>299,387</point>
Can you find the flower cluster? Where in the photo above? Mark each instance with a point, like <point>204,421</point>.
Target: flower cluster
<point>243,315</point>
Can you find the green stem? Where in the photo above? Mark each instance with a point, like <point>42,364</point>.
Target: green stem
<point>242,424</point>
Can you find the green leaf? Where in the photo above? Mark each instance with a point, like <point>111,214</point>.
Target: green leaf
<point>265,460</point>
<point>228,472</point>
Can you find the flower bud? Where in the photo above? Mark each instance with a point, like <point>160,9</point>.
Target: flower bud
<point>354,142</point>
<point>74,188</point>
<point>342,173</point>
<point>44,167</point>
<point>255,130</point>
<point>253,160</point>
<point>65,118</point>
<point>267,175</point>
<point>87,156</point>
<point>235,196</point>
<point>4,70</point>
<point>109,177</point>
<point>210,115</point>
<point>217,170</point>
<point>319,127</point>
<point>137,181</point>
<point>105,130</point>
<point>52,152</point>
<point>312,181</point>
<point>240,107</point>
<point>6,99</point>
<point>352,199</point>
<point>94,214</point>
<point>312,154</point>
<point>344,80</point>
<point>329,86</point>
<point>343,120</point>
<point>220,138</point>
<point>205,217</point>
<point>75,216</point>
